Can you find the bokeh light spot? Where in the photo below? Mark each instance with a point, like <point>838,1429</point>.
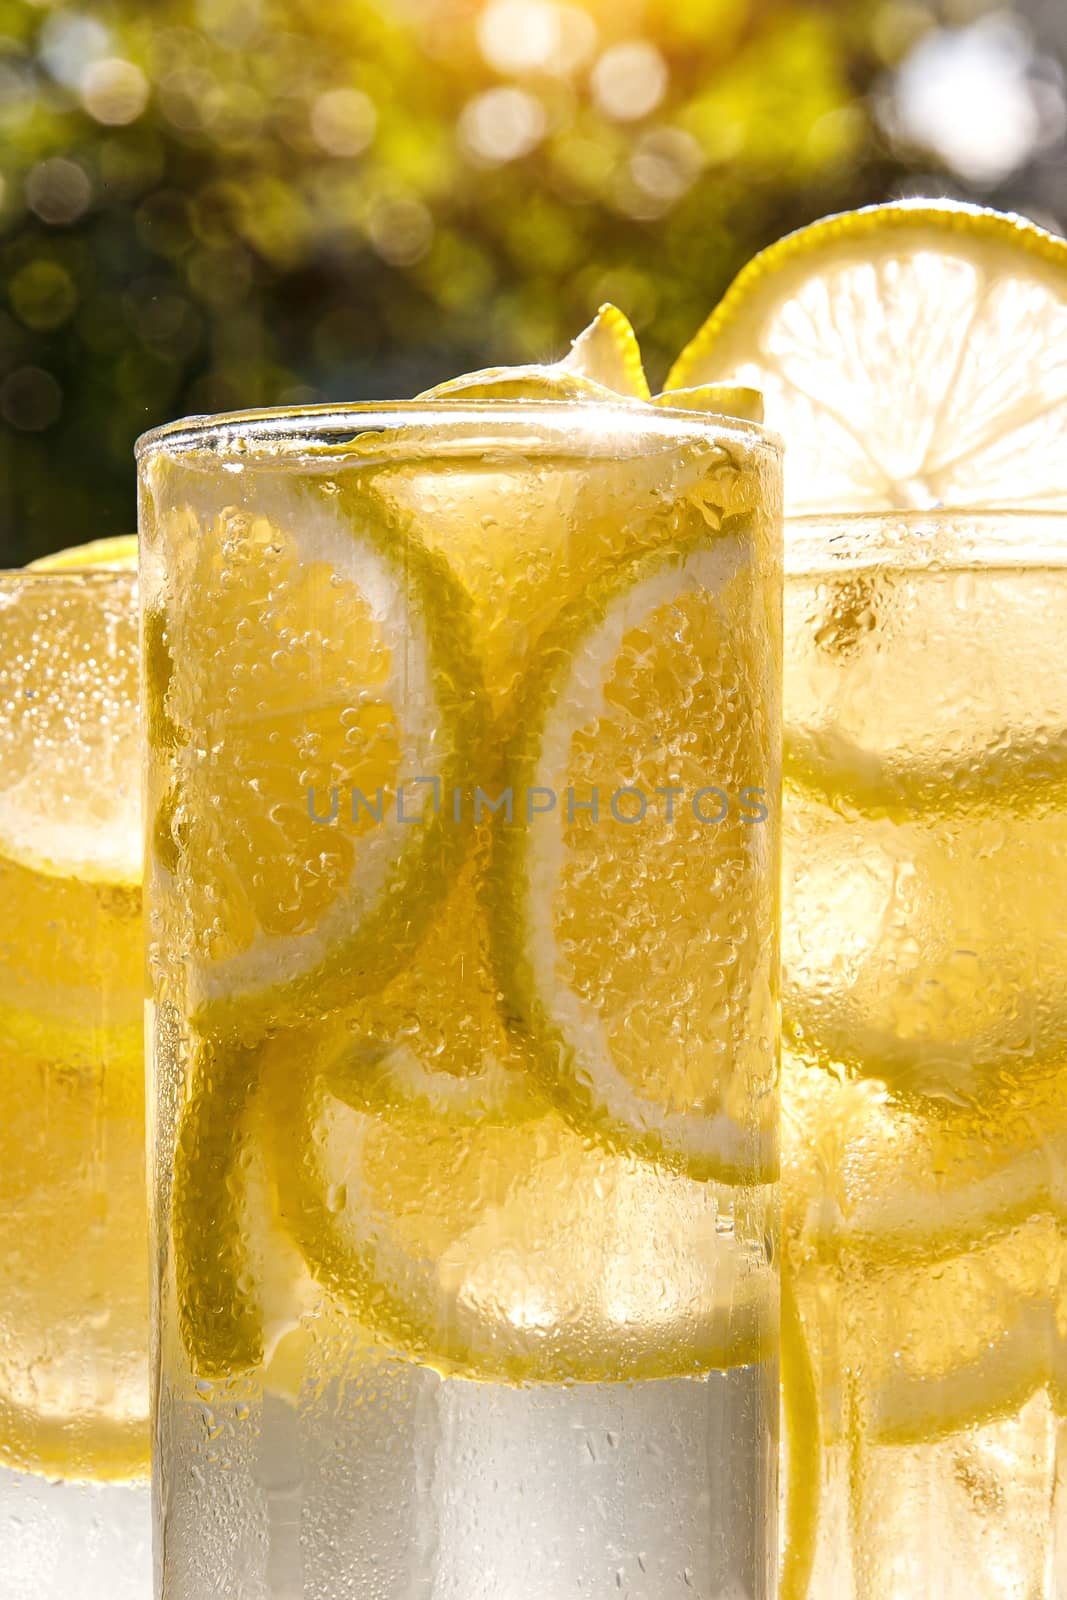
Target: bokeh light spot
<point>30,399</point>
<point>664,164</point>
<point>970,94</point>
<point>58,191</point>
<point>401,231</point>
<point>220,278</point>
<point>517,35</point>
<point>629,80</point>
<point>577,38</point>
<point>17,90</point>
<point>69,42</point>
<point>43,294</point>
<point>501,125</point>
<point>343,121</point>
<point>190,98</point>
<point>114,91</point>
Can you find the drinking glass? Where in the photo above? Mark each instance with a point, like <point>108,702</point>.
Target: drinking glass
<point>463,729</point>
<point>925,1027</point>
<point>74,1505</point>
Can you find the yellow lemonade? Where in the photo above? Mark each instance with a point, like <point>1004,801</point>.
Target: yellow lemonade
<point>463,880</point>
<point>925,997</point>
<point>73,1243</point>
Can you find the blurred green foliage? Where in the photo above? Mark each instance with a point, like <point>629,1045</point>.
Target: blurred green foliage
<point>210,204</point>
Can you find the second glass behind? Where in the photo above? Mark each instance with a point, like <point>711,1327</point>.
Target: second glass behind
<point>462,889</point>
<point>73,1251</point>
<point>924,996</point>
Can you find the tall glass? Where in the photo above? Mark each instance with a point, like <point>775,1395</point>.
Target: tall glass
<point>462,902</point>
<point>74,1515</point>
<point>925,1073</point>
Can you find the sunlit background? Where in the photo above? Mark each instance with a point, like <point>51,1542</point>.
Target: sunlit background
<point>216,203</point>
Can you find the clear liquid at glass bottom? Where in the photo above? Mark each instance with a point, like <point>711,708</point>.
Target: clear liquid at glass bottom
<point>392,1483</point>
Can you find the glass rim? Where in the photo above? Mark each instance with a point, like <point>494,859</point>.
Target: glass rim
<point>939,538</point>
<point>244,432</point>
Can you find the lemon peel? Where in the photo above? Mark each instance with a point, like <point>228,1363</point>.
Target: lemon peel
<point>710,1133</point>
<point>603,364</point>
<point>718,399</point>
<point>117,554</point>
<point>608,352</point>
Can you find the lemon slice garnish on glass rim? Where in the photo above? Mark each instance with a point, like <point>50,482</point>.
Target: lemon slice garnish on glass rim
<point>912,354</point>
<point>603,363</point>
<point>607,351</point>
<point>646,1030</point>
<point>117,554</point>
<point>719,399</point>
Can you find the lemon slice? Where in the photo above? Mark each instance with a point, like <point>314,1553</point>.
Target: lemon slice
<point>912,354</point>
<point>521,383</point>
<point>516,1249</point>
<point>719,399</point>
<point>801,1449</point>
<point>343,686</point>
<point>524,540</point>
<point>339,651</point>
<point>603,363</point>
<point>428,1044</point>
<point>627,937</point>
<point>928,1284</point>
<point>607,351</point>
<point>491,1241</point>
<point>954,1345</point>
<point>242,1290</point>
<point>221,1327</point>
<point>117,554</point>
<point>432,1040</point>
<point>902,963</point>
<point>69,787</point>
<point>945,611</point>
<point>69,758</point>
<point>895,1181</point>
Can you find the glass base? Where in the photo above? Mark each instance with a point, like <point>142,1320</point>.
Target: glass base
<point>977,1515</point>
<point>404,1485</point>
<point>73,1541</point>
